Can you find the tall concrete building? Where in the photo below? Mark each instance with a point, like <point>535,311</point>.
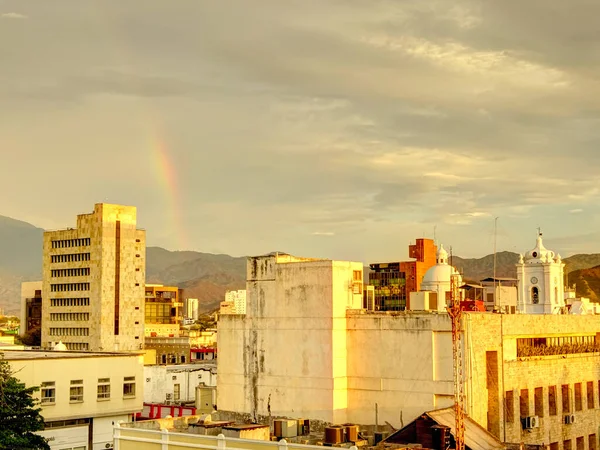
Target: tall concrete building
<point>93,282</point>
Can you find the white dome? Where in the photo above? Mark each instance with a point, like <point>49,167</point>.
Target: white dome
<point>440,273</point>
<point>60,347</point>
<point>442,255</point>
<point>539,254</point>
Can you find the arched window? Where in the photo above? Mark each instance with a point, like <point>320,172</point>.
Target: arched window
<point>535,295</point>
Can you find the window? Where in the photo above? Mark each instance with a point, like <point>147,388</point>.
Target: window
<point>554,446</point>
<point>567,445</point>
<point>590,395</point>
<point>539,401</point>
<point>76,391</point>
<point>566,399</point>
<point>48,391</point>
<point>552,400</point>
<point>580,444</point>
<point>176,392</point>
<point>357,275</point>
<point>578,402</point>
<point>510,407</point>
<point>535,295</point>
<point>524,403</point>
<point>103,388</point>
<point>592,442</point>
<point>129,387</point>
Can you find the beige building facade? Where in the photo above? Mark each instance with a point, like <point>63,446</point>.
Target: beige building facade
<point>288,353</point>
<point>306,348</point>
<point>83,395</point>
<point>93,282</point>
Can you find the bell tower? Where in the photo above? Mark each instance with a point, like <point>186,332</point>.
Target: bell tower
<point>541,281</point>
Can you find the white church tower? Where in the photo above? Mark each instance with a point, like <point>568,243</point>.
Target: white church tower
<point>541,281</point>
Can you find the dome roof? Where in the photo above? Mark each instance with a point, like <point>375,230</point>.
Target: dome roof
<point>539,254</point>
<point>442,255</point>
<point>440,273</point>
<point>60,347</point>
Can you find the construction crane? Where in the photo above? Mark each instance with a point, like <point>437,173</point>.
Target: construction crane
<point>455,313</point>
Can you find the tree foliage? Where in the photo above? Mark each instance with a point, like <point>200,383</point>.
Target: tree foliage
<point>20,417</point>
<point>32,337</point>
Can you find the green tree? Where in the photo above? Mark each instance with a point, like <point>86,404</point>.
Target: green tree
<point>33,337</point>
<point>20,417</point>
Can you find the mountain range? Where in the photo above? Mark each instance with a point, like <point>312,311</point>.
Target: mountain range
<point>208,276</point>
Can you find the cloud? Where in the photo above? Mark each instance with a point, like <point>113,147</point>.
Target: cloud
<point>12,15</point>
<point>373,119</point>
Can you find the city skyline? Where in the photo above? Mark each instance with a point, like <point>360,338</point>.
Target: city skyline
<point>342,130</point>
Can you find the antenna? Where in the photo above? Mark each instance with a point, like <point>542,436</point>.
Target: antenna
<point>495,239</point>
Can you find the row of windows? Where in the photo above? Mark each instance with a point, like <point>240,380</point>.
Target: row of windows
<point>48,390</point>
<point>82,272</point>
<point>69,287</point>
<point>69,332</point>
<point>557,345</point>
<point>567,405</point>
<point>579,443</point>
<point>77,345</point>
<point>71,257</point>
<point>70,301</point>
<point>65,243</point>
<point>68,317</point>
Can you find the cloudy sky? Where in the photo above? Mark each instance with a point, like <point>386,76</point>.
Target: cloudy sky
<point>338,128</point>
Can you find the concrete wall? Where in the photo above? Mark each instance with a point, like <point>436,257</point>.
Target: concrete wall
<point>293,354</point>
<point>402,362</point>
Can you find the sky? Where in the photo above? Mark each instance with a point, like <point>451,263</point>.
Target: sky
<point>343,129</point>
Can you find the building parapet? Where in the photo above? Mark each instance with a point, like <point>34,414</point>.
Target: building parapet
<point>132,437</point>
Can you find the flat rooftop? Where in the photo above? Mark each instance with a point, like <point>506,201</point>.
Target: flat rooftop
<point>16,355</point>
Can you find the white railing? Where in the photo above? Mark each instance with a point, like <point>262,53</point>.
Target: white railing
<point>182,440</point>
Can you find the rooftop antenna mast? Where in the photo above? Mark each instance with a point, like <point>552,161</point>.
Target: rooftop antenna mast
<point>455,313</point>
<point>495,282</point>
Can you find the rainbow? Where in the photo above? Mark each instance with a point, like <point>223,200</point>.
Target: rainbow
<point>167,175</point>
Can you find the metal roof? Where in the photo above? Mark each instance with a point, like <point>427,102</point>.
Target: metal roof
<point>499,279</point>
<point>476,437</point>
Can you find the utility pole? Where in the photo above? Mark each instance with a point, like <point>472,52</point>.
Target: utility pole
<point>455,313</point>
<point>495,238</point>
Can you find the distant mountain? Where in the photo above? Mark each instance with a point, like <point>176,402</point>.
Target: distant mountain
<point>475,269</point>
<point>207,277</point>
<point>20,248</point>
<point>202,275</point>
<point>587,282</point>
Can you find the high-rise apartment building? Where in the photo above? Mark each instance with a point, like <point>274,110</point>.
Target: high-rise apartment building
<point>93,282</point>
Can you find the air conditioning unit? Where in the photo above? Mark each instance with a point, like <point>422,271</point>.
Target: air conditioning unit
<point>569,419</point>
<point>531,422</point>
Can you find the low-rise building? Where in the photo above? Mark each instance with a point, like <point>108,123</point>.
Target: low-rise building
<point>163,305</point>
<point>176,384</point>
<point>82,395</point>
